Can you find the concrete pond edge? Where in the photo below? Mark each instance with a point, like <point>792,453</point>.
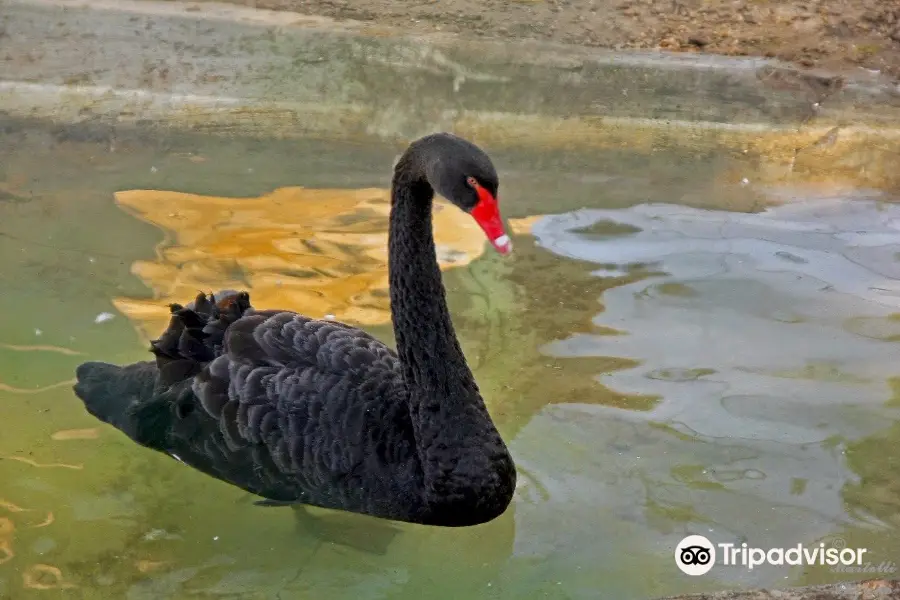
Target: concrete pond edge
<point>222,68</point>
<point>870,589</point>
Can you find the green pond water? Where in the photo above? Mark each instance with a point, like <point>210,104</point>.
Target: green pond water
<point>659,366</point>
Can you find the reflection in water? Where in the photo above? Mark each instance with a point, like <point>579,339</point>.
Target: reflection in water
<point>764,335</point>
<point>315,251</point>
<point>874,498</point>
<point>35,576</point>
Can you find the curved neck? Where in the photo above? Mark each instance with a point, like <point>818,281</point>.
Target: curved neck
<point>433,362</point>
<point>468,474</point>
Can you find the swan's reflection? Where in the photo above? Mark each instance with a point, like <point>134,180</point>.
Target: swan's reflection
<point>334,555</point>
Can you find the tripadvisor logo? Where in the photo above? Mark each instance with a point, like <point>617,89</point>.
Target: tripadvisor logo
<point>696,555</point>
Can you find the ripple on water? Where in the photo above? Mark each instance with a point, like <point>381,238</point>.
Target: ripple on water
<point>793,301</point>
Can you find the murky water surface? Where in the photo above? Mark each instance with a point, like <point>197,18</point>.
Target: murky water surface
<point>661,364</point>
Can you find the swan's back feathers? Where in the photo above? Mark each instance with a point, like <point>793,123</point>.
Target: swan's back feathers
<point>306,389</point>
<point>283,338</point>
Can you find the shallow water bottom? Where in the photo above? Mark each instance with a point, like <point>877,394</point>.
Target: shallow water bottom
<point>664,357</point>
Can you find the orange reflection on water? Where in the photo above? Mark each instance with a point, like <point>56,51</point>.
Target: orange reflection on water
<point>7,530</point>
<point>44,577</point>
<point>316,251</point>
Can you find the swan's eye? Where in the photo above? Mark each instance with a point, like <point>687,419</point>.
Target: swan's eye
<point>473,183</point>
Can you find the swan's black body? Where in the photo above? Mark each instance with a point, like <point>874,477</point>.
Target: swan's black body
<point>316,412</point>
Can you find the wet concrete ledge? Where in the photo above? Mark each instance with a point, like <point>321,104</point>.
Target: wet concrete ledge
<point>872,589</point>
<point>225,67</point>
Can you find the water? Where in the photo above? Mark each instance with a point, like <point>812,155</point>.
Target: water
<point>659,365</point>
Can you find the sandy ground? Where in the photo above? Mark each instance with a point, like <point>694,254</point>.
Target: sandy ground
<point>812,33</point>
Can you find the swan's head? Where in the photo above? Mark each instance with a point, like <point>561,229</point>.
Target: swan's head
<point>462,173</point>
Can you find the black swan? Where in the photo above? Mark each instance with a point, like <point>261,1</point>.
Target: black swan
<point>315,412</point>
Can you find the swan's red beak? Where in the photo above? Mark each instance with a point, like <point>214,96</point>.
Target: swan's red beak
<point>487,214</point>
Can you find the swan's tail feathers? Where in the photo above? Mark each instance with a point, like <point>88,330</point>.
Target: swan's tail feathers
<point>196,332</point>
<point>112,393</point>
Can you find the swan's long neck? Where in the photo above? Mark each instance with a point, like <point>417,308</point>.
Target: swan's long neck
<point>433,362</point>
<point>466,467</point>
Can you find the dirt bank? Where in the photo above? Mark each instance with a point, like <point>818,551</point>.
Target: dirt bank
<point>811,33</point>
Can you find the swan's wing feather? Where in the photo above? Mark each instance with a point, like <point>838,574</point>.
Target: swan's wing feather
<point>281,358</point>
<point>318,394</point>
<point>285,338</point>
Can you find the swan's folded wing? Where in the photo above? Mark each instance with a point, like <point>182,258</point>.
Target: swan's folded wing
<point>308,390</point>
